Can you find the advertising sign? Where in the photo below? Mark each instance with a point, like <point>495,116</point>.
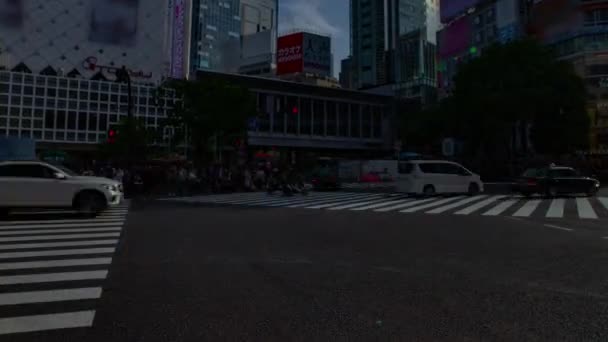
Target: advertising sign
<point>290,54</point>
<point>449,9</point>
<point>317,54</point>
<point>177,49</point>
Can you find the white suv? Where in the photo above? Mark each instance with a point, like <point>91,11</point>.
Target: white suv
<point>429,177</point>
<point>35,184</point>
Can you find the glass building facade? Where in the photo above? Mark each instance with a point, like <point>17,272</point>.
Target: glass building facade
<point>70,110</point>
<point>216,32</point>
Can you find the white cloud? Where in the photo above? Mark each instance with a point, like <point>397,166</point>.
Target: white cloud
<point>306,15</point>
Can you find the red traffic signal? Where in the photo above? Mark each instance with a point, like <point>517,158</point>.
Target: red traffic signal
<point>294,110</point>
<point>112,134</point>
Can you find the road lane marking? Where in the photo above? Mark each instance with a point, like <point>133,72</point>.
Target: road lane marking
<point>82,251</point>
<point>58,237</point>
<point>79,319</point>
<point>384,204</point>
<point>404,205</point>
<point>348,197</point>
<point>585,211</point>
<point>468,210</point>
<point>556,210</point>
<point>54,263</point>
<point>445,208</point>
<point>29,226</point>
<point>527,209</point>
<point>430,205</point>
<point>500,208</point>
<point>300,199</point>
<point>52,277</point>
<point>17,298</point>
<point>558,227</point>
<point>58,244</point>
<point>53,231</point>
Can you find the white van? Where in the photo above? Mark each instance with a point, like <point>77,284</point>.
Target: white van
<point>430,177</point>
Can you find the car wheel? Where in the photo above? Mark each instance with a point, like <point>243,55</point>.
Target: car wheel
<point>428,190</point>
<point>90,203</point>
<point>473,189</point>
<point>591,192</point>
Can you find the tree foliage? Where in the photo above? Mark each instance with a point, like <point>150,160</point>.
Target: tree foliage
<point>514,85</point>
<point>209,110</point>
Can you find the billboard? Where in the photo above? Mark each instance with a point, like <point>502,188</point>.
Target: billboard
<point>290,55</point>
<point>455,38</point>
<point>317,54</point>
<point>114,22</point>
<point>178,41</point>
<point>449,9</point>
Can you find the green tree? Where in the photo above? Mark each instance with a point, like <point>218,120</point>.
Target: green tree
<point>511,86</point>
<point>209,113</point>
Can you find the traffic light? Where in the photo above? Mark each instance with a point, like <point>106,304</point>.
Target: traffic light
<point>294,110</point>
<point>112,135</point>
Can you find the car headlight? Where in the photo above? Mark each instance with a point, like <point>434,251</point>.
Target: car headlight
<point>597,184</point>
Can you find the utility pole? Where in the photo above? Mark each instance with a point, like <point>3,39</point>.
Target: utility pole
<point>122,76</point>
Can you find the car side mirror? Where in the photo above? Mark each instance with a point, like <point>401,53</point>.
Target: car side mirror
<point>59,176</point>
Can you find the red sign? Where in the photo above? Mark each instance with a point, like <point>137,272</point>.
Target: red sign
<point>290,54</point>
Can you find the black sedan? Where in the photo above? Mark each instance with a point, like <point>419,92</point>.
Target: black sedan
<point>553,181</point>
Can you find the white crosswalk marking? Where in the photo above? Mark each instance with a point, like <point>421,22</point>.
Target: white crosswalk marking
<point>382,204</point>
<point>451,206</point>
<point>486,205</point>
<point>33,247</point>
<point>604,201</point>
<point>356,204</point>
<point>527,209</point>
<point>49,296</point>
<point>404,205</point>
<point>585,211</point>
<point>556,209</point>
<point>430,205</point>
<point>470,209</point>
<point>52,277</point>
<point>500,208</point>
<point>22,324</point>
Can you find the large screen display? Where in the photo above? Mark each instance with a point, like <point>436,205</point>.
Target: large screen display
<point>455,38</point>
<point>317,54</point>
<point>114,22</point>
<point>452,8</point>
<point>290,54</point>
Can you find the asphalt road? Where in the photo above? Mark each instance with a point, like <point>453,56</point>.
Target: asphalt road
<point>231,273</point>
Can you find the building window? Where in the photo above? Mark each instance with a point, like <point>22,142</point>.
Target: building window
<point>305,116</point>
<point>332,120</point>
<point>49,119</point>
<point>355,121</point>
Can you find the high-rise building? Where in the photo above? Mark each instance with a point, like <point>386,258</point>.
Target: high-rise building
<point>216,33</point>
<point>376,28</point>
<point>346,73</point>
<point>259,20</point>
<point>258,16</point>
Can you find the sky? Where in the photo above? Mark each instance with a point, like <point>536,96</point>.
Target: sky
<point>327,17</point>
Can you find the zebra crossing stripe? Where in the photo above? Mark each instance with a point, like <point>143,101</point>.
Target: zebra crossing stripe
<point>17,255</point>
<point>358,204</point>
<point>66,225</point>
<point>17,298</point>
<point>445,208</point>
<point>527,209</point>
<point>429,205</point>
<point>54,263</point>
<point>58,237</point>
<point>53,231</point>
<point>337,199</point>
<point>404,205</point>
<point>500,208</point>
<point>479,205</point>
<point>13,325</point>
<point>332,204</point>
<point>52,277</point>
<point>604,201</point>
<point>383,204</point>
<point>556,209</point>
<point>585,211</point>
<point>308,199</point>
<point>58,244</point>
